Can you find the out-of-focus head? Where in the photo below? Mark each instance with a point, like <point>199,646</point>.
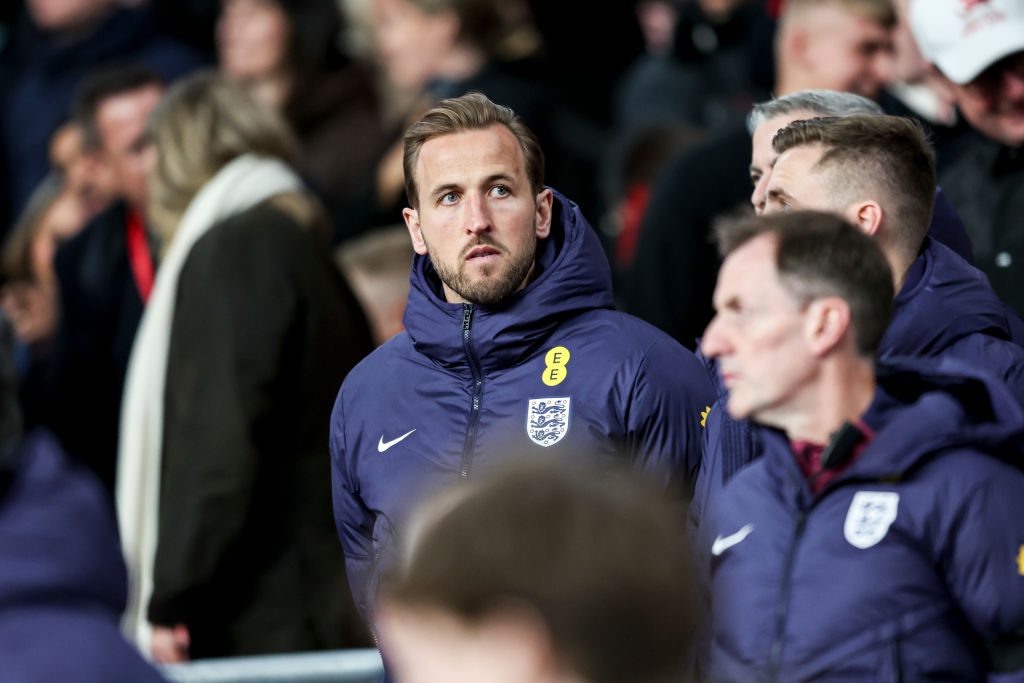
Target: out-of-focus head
<point>90,182</point>
<point>263,38</point>
<point>767,118</point>
<point>52,216</point>
<point>203,123</point>
<point>843,45</point>
<point>474,173</point>
<point>67,15</point>
<point>978,46</point>
<point>794,290</point>
<point>877,171</point>
<point>543,573</point>
<point>416,38</point>
<point>112,107</point>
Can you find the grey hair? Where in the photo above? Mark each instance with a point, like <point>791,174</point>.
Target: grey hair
<point>818,102</point>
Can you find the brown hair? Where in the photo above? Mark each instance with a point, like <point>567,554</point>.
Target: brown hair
<point>203,123</point>
<point>600,555</point>
<point>885,158</point>
<point>819,254</point>
<point>881,11</point>
<point>458,115</point>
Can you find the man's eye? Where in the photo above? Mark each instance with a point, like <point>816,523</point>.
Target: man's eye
<point>754,179</point>
<point>449,198</point>
<point>500,191</point>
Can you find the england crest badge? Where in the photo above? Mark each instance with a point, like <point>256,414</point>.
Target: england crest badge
<point>870,516</point>
<point>547,420</point>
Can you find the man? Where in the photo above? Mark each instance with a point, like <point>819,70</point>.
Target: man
<point>878,172</point>
<point>106,272</point>
<point>841,45</point>
<point>879,538</point>
<point>511,342</point>
<point>508,582</point>
<point>978,48</point>
<point>768,118</point>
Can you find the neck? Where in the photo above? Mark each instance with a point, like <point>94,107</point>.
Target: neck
<point>272,89</point>
<point>842,392</point>
<point>899,264</point>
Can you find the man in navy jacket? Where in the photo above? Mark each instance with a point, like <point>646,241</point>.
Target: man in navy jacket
<point>881,535</point>
<point>878,172</point>
<point>511,343</point>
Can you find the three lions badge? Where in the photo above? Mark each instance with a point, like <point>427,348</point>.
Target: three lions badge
<point>547,420</point>
<point>870,515</point>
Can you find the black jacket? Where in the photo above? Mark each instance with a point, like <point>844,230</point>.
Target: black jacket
<point>264,331</point>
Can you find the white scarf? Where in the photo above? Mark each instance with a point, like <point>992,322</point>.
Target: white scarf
<point>240,185</point>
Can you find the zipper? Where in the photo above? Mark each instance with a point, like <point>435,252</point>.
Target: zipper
<point>478,390</point>
<point>782,608</point>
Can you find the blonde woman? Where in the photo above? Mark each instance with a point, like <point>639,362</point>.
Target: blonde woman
<point>223,490</point>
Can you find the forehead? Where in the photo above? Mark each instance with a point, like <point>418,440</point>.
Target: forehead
<point>469,155</point>
<point>766,130</point>
<point>131,104</point>
<point>794,169</point>
<point>749,272</point>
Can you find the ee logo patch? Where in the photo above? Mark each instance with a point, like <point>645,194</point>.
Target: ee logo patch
<point>554,366</point>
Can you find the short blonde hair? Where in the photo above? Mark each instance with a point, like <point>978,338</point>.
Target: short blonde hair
<point>203,123</point>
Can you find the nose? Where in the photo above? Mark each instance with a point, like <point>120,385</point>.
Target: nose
<point>760,194</point>
<point>714,344</point>
<point>478,214</point>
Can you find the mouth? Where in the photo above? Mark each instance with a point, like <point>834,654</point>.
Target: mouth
<point>484,251</point>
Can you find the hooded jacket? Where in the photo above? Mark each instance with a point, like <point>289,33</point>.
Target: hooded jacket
<point>63,584</point>
<point>553,371</point>
<point>901,569</point>
<point>945,309</point>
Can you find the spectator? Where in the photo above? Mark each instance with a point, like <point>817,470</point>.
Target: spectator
<point>879,536</point>
<point>878,172</point>
<point>222,495</point>
<point>62,581</point>
<point>106,273</point>
<point>55,44</point>
<point>840,45</point>
<point>286,52</point>
<point>978,48</point>
<point>510,342</point>
<point>544,574</point>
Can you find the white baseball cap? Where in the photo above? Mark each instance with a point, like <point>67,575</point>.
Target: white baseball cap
<point>964,37</point>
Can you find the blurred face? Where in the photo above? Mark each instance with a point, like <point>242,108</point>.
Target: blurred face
<point>762,157</point>
<point>121,121</point>
<point>252,38</point>
<point>428,645</point>
<point>795,183</point>
<point>845,51</point>
<point>759,335</point>
<point>90,182</point>
<point>478,219</point>
<point>412,43</point>
<point>994,101</point>
<point>60,15</point>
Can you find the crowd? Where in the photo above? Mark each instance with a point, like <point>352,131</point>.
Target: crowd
<point>684,346</point>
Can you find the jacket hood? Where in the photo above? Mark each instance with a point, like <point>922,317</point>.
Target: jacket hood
<point>945,299</point>
<point>58,538</point>
<point>572,275</point>
<point>923,407</point>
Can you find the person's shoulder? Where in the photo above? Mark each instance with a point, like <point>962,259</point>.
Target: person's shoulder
<point>387,360</point>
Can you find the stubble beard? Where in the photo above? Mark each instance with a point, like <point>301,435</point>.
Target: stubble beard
<point>488,288</point>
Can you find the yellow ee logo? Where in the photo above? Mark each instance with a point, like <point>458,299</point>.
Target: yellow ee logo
<point>554,368</point>
<point>704,416</point>
<point>1020,561</point>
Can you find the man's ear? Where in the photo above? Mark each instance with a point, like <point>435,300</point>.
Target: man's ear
<point>412,223</point>
<point>544,201</point>
<point>828,321</point>
<point>867,216</point>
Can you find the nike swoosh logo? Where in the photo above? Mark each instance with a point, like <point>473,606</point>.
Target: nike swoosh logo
<point>723,543</point>
<point>383,445</point>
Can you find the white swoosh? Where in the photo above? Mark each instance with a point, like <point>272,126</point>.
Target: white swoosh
<point>723,543</point>
<point>383,445</point>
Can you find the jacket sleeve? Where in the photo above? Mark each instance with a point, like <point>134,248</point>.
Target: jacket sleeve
<point>671,393</point>
<point>351,517</point>
<point>984,562</point>
<point>1003,359</point>
<point>230,371</point>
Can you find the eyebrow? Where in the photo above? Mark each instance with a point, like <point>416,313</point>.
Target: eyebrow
<point>778,194</point>
<point>448,187</point>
